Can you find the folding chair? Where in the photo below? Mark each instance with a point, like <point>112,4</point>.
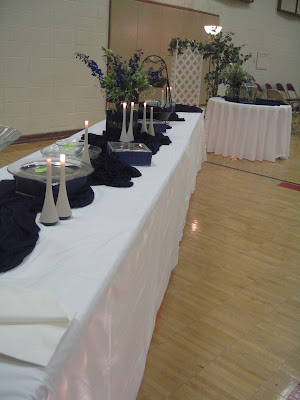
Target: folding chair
<point>292,97</point>
<point>280,89</point>
<point>259,90</point>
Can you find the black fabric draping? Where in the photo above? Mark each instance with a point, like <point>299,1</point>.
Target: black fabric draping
<point>18,229</point>
<point>110,172</point>
<point>258,102</point>
<point>186,108</point>
<point>152,142</point>
<point>183,108</point>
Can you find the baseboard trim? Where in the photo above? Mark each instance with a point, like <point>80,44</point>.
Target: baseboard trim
<point>46,136</point>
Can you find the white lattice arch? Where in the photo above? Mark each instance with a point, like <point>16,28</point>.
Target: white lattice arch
<point>186,75</point>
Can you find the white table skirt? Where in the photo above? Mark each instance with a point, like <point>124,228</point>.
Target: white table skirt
<point>248,131</point>
<point>110,263</point>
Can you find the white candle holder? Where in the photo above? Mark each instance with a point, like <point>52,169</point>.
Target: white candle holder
<point>123,137</point>
<point>62,205</point>
<point>151,127</point>
<point>130,127</point>
<point>144,123</point>
<point>86,155</point>
<point>162,99</point>
<point>167,99</point>
<point>49,214</point>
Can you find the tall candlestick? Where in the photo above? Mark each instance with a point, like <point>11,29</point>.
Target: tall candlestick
<point>130,128</point>
<point>123,137</point>
<point>170,95</point>
<point>151,127</point>
<point>162,98</point>
<point>167,98</point>
<point>49,214</point>
<point>86,155</point>
<point>62,205</point>
<point>144,124</point>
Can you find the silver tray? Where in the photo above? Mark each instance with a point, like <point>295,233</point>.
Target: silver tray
<point>36,169</point>
<point>132,147</point>
<point>53,151</point>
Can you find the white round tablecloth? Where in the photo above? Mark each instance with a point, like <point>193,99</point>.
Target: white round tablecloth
<point>248,131</point>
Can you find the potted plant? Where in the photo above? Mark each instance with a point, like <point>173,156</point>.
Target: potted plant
<point>233,75</point>
<point>123,82</point>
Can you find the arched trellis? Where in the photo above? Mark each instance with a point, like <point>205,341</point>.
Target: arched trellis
<point>186,75</point>
<point>159,80</point>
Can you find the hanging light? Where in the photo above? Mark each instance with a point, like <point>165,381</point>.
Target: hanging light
<point>212,29</point>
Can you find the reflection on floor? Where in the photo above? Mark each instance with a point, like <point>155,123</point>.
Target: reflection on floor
<point>227,328</point>
<point>285,170</point>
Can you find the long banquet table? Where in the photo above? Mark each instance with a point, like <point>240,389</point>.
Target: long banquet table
<point>110,263</point>
<point>254,132</point>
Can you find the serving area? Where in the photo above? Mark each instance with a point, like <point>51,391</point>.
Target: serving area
<point>110,265</point>
<point>248,131</point>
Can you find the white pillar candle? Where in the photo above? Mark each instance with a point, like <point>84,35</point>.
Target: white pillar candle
<point>123,137</point>
<point>62,205</point>
<point>130,128</point>
<point>86,154</point>
<point>144,124</point>
<point>151,127</point>
<point>49,214</point>
<point>162,98</point>
<point>86,128</point>
<point>167,98</point>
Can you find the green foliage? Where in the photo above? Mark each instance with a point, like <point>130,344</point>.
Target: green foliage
<point>220,51</point>
<point>124,80</point>
<point>234,75</point>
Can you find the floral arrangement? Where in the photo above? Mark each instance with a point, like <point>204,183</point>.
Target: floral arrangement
<point>124,80</point>
<point>234,75</point>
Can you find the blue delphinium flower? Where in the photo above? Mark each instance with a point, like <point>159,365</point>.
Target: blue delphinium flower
<point>124,80</point>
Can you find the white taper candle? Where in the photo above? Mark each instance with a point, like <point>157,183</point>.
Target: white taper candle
<point>62,205</point>
<point>86,154</point>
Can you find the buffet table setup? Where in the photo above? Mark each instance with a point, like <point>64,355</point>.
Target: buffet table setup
<point>248,131</point>
<point>78,312</point>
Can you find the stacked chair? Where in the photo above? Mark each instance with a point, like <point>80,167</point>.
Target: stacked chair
<point>274,94</point>
<point>280,89</point>
<point>268,86</point>
<point>260,90</point>
<point>292,97</point>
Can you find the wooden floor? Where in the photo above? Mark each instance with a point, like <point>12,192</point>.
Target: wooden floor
<point>227,328</point>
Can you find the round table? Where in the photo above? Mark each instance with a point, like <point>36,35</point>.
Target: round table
<point>248,131</point>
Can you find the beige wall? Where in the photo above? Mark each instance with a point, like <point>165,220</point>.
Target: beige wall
<point>44,88</point>
<point>136,25</point>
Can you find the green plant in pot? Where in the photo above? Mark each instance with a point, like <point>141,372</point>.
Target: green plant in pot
<point>233,76</point>
<point>123,82</point>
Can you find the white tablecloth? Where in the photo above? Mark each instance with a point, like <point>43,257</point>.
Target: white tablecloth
<point>110,263</point>
<point>248,131</point>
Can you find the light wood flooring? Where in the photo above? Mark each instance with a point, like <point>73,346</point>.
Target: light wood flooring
<point>228,327</point>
